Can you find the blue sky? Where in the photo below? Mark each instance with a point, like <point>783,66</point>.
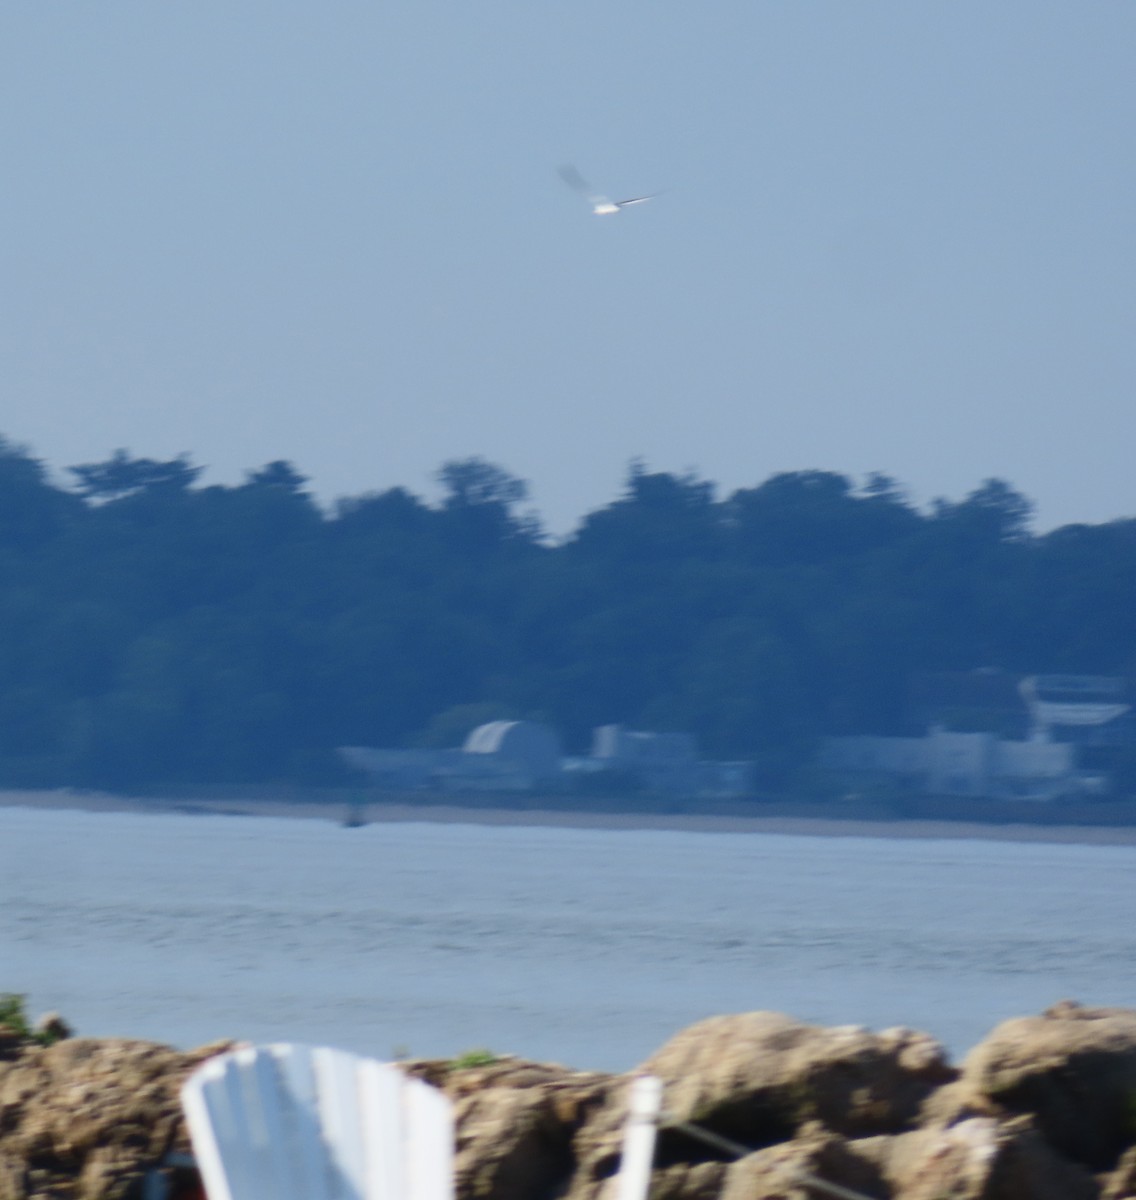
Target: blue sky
<point>894,237</point>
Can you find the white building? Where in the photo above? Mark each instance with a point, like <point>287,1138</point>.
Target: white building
<point>1067,714</point>
<point>502,756</point>
<point>962,764</point>
<point>513,756</point>
<point>668,762</point>
<point>1089,709</point>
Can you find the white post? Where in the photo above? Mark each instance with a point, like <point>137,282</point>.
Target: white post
<point>643,1108</point>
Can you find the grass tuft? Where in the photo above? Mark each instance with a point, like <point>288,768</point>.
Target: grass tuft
<point>474,1058</point>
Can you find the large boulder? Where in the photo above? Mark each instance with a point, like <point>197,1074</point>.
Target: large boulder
<point>756,1079</point>
<point>87,1118</point>
<point>1073,1068</point>
<point>516,1121</point>
<point>814,1157</point>
<point>978,1158</point>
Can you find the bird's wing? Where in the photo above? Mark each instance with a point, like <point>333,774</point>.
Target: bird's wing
<point>574,179</point>
<point>578,183</point>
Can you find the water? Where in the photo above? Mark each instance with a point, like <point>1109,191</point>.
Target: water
<point>587,947</point>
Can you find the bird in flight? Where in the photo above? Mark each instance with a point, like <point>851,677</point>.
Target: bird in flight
<point>601,205</point>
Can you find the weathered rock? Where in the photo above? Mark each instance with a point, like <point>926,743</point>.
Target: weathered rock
<point>979,1158</point>
<point>955,1102</point>
<point>681,1181</point>
<point>568,1086</point>
<point>111,1173</point>
<point>12,1173</point>
<point>1120,1184</point>
<point>51,1027</point>
<point>758,1078</point>
<point>86,1118</point>
<point>883,1114</point>
<point>516,1121</point>
<point>509,1145</point>
<point>789,1169</point>
<point>12,1043</point>
<point>1073,1068</point>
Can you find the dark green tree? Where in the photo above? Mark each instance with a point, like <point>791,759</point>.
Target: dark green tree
<point>120,475</point>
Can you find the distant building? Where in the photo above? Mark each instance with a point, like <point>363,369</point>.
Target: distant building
<point>515,756</point>
<point>526,756</point>
<point>1088,710</point>
<point>945,763</point>
<point>660,762</point>
<point>987,700</point>
<point>668,763</point>
<point>502,756</point>
<point>1038,737</point>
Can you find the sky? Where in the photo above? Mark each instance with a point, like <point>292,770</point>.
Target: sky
<point>892,236</point>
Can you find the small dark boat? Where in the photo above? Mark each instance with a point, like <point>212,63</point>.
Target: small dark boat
<point>355,817</point>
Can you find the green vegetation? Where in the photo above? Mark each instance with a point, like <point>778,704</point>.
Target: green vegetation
<point>474,1058</point>
<point>13,1014</point>
<point>157,631</point>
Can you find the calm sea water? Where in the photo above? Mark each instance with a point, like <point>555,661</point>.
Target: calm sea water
<point>584,947</point>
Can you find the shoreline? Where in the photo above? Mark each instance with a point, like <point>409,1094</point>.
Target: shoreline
<point>376,812</point>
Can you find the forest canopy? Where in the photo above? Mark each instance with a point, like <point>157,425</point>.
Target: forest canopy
<point>156,630</point>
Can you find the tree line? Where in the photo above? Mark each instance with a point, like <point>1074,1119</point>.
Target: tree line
<point>154,630</point>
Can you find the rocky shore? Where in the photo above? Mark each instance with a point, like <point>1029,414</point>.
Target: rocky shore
<point>1044,1108</point>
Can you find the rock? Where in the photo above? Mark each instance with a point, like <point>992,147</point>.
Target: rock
<point>1041,1104</point>
<point>1073,1068</point>
<point>977,1159</point>
<point>516,1121</point>
<point>86,1118</point>
<point>111,1173</point>
<point>680,1181</point>
<point>1121,1183</point>
<point>757,1078</point>
<point>51,1027</point>
<point>12,1178</point>
<point>786,1170</point>
<point>509,1145</point>
<point>955,1102</point>
<point>12,1043</point>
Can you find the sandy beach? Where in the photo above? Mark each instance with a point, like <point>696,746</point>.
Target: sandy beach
<point>380,811</point>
